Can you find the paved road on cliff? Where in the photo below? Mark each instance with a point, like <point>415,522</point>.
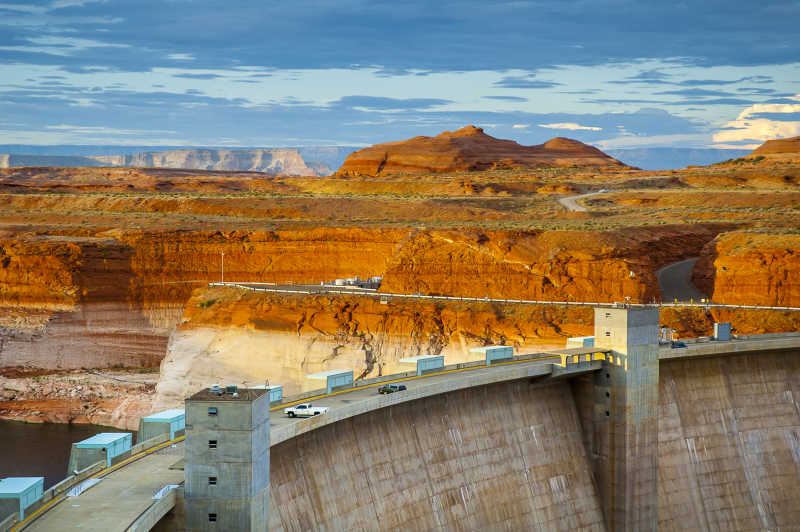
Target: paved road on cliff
<point>675,281</point>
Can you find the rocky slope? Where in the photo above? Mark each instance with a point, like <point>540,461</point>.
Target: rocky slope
<point>271,161</point>
<point>118,399</point>
<point>468,149</point>
<point>790,145</point>
<point>751,269</point>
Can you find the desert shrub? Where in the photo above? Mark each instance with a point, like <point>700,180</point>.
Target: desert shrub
<point>207,303</point>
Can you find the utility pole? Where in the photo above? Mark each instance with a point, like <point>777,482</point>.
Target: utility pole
<point>222,267</point>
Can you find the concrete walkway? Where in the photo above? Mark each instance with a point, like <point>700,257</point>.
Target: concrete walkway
<point>675,282</point>
<point>117,500</point>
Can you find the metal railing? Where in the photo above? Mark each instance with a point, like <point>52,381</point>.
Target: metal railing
<point>313,289</point>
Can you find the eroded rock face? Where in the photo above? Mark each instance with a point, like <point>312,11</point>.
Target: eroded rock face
<point>790,145</point>
<point>468,148</point>
<point>244,337</point>
<point>542,265</point>
<point>751,269</point>
<point>72,302</point>
<point>112,300</point>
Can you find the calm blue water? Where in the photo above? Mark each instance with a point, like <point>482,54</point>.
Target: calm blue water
<point>40,449</point>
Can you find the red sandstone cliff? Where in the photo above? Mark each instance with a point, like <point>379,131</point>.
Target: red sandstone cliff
<point>751,269</point>
<point>550,265</point>
<point>468,148</point>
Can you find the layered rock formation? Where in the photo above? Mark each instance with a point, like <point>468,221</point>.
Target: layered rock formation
<point>13,159</point>
<point>751,269</point>
<point>549,265</point>
<point>71,302</point>
<point>468,149</point>
<point>790,145</point>
<point>271,161</point>
<point>243,337</point>
<point>77,299</point>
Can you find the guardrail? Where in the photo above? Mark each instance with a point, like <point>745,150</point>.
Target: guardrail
<point>293,399</point>
<point>312,289</point>
<point>148,444</point>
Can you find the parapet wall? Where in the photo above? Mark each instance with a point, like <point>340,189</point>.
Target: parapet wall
<point>506,456</point>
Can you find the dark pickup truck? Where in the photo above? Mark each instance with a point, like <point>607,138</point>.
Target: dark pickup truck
<point>391,388</point>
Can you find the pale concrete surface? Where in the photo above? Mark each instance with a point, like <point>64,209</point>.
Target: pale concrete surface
<point>729,443</point>
<point>626,464</point>
<point>675,281</point>
<point>117,500</point>
<point>352,403</point>
<point>505,456</point>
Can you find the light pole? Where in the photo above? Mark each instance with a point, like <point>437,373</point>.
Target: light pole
<point>222,267</point>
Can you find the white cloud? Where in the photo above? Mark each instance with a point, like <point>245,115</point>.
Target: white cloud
<point>736,146</point>
<point>181,57</point>
<point>690,140</point>
<point>104,130</point>
<point>521,126</point>
<point>748,128</point>
<point>572,126</point>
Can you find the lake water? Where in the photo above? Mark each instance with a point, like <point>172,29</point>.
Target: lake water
<point>41,449</point>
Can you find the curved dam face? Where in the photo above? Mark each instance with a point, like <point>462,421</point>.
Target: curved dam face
<point>729,443</point>
<point>506,456</point>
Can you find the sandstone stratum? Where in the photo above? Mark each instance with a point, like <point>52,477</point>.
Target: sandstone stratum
<point>469,149</point>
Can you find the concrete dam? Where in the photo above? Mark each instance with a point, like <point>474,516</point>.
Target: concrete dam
<point>625,435</point>
<point>518,456</point>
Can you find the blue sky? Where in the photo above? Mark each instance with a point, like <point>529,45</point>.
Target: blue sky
<point>617,73</point>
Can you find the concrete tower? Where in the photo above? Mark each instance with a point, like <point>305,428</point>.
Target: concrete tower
<point>626,462</point>
<point>227,460</point>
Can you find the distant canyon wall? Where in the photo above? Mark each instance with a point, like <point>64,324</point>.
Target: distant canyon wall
<point>285,161</point>
<point>271,161</point>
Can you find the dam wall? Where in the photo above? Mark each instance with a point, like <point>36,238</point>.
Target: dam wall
<point>506,456</point>
<point>518,455</point>
<point>729,442</point>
